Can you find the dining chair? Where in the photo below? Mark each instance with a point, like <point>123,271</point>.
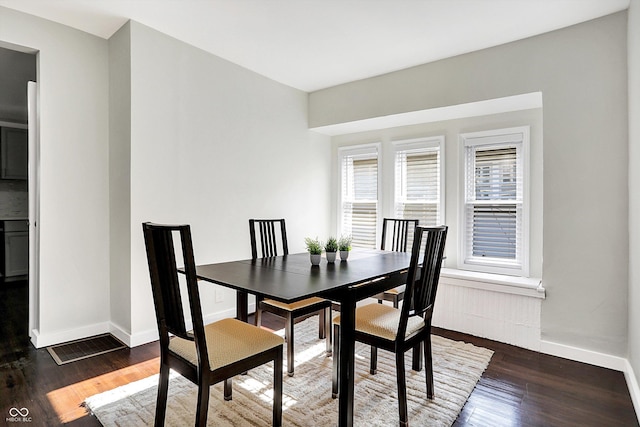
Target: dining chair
<point>271,233</point>
<point>398,241</point>
<point>207,354</point>
<point>398,330</point>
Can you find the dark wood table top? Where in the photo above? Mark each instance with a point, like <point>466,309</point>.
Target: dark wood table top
<point>291,277</point>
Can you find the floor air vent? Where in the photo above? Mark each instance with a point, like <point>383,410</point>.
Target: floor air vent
<point>87,347</point>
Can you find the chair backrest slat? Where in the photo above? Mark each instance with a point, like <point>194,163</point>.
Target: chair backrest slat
<point>159,242</point>
<point>402,230</point>
<point>424,273</point>
<point>269,229</point>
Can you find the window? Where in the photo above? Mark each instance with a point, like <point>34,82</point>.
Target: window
<point>418,189</point>
<point>494,225</point>
<point>359,194</point>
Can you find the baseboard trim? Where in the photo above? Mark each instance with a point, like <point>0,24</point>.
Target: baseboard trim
<point>584,356</point>
<point>120,333</point>
<point>40,340</point>
<point>634,388</point>
<point>134,340</point>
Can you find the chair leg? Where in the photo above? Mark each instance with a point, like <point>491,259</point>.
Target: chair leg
<point>428,366</point>
<point>396,301</point>
<point>336,362</point>
<point>416,357</point>
<point>288,336</point>
<point>373,363</point>
<point>163,389</point>
<point>277,389</point>
<point>203,404</point>
<point>327,328</point>
<point>379,301</point>
<point>258,317</point>
<point>402,389</point>
<point>228,389</point>
<point>322,316</point>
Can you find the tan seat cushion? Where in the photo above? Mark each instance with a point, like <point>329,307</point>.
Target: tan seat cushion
<point>395,291</point>
<point>294,306</point>
<point>382,320</point>
<point>228,340</point>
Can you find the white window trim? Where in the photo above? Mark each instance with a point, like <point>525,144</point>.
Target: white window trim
<point>525,286</point>
<point>486,138</point>
<point>359,150</point>
<point>421,144</point>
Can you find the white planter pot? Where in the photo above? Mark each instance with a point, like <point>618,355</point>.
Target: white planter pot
<point>331,257</point>
<point>344,255</point>
<point>315,259</point>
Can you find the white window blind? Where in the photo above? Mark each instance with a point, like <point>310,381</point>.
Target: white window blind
<point>417,185</point>
<point>494,221</point>
<point>359,208</point>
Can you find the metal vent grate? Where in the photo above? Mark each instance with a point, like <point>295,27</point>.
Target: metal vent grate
<point>84,348</point>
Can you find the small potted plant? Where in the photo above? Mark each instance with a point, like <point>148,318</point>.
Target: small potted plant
<point>344,246</point>
<point>331,248</point>
<point>314,247</point>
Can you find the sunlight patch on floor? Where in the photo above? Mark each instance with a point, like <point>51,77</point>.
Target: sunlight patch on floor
<point>316,351</point>
<point>264,391</point>
<point>67,401</point>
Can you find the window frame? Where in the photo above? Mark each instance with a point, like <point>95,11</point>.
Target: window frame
<point>519,136</point>
<point>362,151</point>
<point>418,145</point>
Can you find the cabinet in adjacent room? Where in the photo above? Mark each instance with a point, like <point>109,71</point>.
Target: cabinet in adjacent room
<point>16,248</point>
<point>14,156</point>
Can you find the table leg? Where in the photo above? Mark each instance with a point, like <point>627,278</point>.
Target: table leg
<point>242,309</point>
<point>347,350</point>
<point>242,306</point>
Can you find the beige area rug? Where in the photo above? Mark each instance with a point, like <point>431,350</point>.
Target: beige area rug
<point>307,395</point>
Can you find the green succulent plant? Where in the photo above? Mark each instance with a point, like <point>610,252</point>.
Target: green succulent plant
<point>314,246</point>
<point>344,243</point>
<point>331,245</point>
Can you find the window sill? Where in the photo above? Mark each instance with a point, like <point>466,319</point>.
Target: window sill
<point>525,286</point>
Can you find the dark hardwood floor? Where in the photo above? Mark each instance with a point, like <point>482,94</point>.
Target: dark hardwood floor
<point>525,388</point>
<point>519,387</point>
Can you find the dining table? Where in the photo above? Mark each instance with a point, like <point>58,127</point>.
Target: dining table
<point>290,278</point>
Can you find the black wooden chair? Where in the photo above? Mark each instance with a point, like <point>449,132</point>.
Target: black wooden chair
<point>397,241</point>
<point>272,231</point>
<point>208,354</point>
<point>398,330</point>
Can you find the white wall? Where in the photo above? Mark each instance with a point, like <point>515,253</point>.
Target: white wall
<point>74,225</point>
<point>634,194</point>
<point>145,127</point>
<point>212,145</point>
<point>582,74</point>
<point>120,182</point>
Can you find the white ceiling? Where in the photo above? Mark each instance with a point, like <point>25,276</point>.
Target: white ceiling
<point>314,44</point>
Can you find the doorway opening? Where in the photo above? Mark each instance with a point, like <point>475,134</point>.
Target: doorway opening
<point>17,69</point>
